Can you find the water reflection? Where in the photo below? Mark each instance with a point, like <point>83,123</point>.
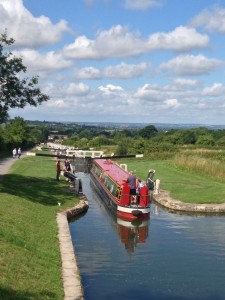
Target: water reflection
<point>132,233</point>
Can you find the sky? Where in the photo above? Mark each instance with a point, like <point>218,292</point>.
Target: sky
<point>132,61</point>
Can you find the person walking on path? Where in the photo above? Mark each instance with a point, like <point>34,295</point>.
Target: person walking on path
<point>14,153</point>
<point>19,152</point>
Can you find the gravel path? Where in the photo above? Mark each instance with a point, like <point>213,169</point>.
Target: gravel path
<point>5,165</point>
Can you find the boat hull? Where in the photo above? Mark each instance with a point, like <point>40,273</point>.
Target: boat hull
<point>124,212</point>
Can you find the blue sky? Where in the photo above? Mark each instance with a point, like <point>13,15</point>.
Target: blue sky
<point>146,61</point>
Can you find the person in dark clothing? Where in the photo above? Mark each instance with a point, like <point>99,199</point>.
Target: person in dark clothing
<point>132,182</point>
<point>19,152</point>
<point>67,165</point>
<point>149,180</point>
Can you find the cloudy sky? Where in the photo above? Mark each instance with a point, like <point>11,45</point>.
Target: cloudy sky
<point>146,61</point>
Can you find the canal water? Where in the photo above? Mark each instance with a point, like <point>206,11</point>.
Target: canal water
<point>172,256</point>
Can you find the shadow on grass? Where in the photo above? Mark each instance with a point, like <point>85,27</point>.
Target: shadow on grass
<point>40,190</point>
<point>10,294</point>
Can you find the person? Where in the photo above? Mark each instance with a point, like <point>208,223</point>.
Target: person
<point>132,182</point>
<point>58,170</point>
<point>149,180</point>
<point>140,185</point>
<point>19,152</point>
<point>67,165</point>
<point>14,152</point>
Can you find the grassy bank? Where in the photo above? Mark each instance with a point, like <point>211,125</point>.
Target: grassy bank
<point>30,258</point>
<point>184,183</point>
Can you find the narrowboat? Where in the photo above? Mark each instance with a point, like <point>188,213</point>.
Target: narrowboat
<point>110,181</point>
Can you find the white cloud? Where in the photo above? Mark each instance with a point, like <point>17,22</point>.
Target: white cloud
<point>171,103</point>
<point>78,89</point>
<point>121,71</point>
<point>149,92</point>
<point>217,89</point>
<point>87,73</point>
<point>212,20</point>
<point>115,42</point>
<point>141,4</point>
<point>28,31</point>
<point>149,101</point>
<point>191,65</point>
<point>46,62</point>
<point>124,70</point>
<point>119,42</point>
<point>186,83</point>
<point>110,89</point>
<point>180,39</point>
<point>56,104</point>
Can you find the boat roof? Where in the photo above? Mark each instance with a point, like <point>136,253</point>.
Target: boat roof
<point>113,170</point>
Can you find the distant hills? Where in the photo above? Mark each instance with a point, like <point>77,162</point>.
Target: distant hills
<point>160,126</point>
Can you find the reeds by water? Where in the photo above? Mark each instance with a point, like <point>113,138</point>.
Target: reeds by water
<point>202,162</point>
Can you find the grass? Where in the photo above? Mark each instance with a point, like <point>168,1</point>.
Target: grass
<point>202,165</point>
<point>185,185</point>
<point>30,265</point>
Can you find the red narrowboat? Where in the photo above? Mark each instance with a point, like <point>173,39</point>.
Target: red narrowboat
<point>110,181</point>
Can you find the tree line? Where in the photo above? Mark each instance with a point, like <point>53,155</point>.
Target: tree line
<point>147,139</point>
<point>20,133</point>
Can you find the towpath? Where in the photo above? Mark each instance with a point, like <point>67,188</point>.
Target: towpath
<point>5,165</point>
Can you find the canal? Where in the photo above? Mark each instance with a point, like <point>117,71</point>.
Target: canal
<point>172,256</point>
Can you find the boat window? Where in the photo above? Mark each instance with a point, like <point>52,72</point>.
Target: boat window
<point>97,171</point>
<point>110,185</point>
<point>112,188</point>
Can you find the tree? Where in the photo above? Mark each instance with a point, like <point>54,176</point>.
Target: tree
<point>148,132</point>
<point>2,140</point>
<point>85,134</point>
<point>37,135</point>
<point>15,91</point>
<point>16,132</point>
<point>124,146</point>
<point>206,140</point>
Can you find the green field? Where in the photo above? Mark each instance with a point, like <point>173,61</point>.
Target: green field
<point>184,185</point>
<point>30,265</point>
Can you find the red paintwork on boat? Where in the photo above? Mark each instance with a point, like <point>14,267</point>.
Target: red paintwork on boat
<point>113,170</point>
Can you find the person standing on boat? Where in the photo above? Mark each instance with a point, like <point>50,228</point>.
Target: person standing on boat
<point>132,182</point>
<point>140,185</point>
